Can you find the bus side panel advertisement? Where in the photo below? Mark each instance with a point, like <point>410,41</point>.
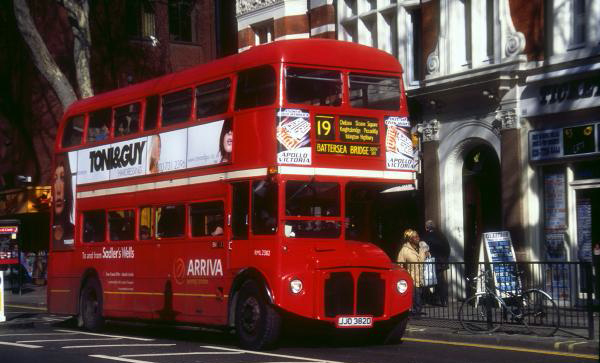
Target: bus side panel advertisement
<point>172,151</point>
<point>63,206</point>
<point>398,144</point>
<point>207,144</point>
<point>293,137</point>
<point>216,143</point>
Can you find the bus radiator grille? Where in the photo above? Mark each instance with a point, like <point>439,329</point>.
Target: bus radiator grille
<point>370,294</point>
<point>339,294</point>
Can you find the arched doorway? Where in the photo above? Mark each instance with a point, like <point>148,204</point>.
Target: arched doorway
<point>481,200</point>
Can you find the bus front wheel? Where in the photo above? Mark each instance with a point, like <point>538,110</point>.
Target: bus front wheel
<point>90,306</point>
<point>257,323</point>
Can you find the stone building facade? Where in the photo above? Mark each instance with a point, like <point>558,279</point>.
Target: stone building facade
<point>490,84</point>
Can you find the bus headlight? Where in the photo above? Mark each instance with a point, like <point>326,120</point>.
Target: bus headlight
<point>402,286</point>
<point>296,286</point>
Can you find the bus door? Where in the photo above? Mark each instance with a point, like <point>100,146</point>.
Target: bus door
<point>203,288</point>
<point>238,222</point>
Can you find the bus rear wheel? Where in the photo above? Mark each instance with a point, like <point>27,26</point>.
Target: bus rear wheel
<point>257,323</point>
<point>90,306</point>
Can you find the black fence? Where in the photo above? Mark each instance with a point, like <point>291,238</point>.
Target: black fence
<point>570,284</point>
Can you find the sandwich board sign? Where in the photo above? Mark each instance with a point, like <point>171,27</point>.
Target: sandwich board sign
<point>498,251</point>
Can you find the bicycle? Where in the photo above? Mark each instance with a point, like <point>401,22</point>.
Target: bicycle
<point>485,311</point>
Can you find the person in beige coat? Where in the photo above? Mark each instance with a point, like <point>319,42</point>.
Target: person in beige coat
<point>411,256</point>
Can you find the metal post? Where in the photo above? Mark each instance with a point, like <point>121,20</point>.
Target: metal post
<point>590,301</point>
<point>2,316</point>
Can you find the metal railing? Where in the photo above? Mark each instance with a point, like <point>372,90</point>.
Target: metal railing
<point>570,284</point>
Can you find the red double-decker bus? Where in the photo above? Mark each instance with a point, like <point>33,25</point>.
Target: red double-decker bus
<point>236,193</point>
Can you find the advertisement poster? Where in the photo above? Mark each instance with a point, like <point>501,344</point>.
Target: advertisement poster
<point>579,140</point>
<point>545,144</point>
<point>398,144</point>
<point>206,144</point>
<point>171,148</point>
<point>499,249</point>
<point>293,137</point>
<point>555,210</point>
<point>584,229</point>
<point>112,161</point>
<point>63,200</point>
<point>210,143</point>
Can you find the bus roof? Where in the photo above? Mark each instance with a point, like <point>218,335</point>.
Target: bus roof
<point>316,52</point>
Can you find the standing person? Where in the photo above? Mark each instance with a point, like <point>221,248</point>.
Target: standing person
<point>412,255</point>
<point>440,249</point>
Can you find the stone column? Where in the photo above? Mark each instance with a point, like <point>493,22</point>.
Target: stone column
<point>506,124</point>
<point>431,171</point>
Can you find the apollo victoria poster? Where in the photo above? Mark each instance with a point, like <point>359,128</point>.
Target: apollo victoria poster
<point>398,144</point>
<point>293,137</point>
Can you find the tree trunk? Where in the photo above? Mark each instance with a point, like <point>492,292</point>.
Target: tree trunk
<point>78,12</point>
<point>41,56</point>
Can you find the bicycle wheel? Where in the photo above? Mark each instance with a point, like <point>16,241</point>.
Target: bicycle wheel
<point>480,314</point>
<point>540,313</point>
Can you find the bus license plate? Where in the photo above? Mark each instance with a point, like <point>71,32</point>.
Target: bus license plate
<point>354,322</point>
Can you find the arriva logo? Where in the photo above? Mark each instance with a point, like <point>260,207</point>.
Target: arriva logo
<point>199,267</point>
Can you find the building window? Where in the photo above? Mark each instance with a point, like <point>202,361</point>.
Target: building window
<point>141,17</point>
<point>414,44</point>
<point>578,21</point>
<point>180,20</point>
<point>263,32</point>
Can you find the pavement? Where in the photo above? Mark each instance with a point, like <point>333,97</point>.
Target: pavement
<point>430,330</point>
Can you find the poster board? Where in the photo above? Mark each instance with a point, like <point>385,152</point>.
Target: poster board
<point>498,251</point>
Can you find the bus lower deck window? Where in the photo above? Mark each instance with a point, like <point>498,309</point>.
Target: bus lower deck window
<point>94,226</point>
<point>170,221</point>
<point>121,225</point>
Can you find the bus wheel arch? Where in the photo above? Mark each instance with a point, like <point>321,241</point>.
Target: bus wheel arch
<point>242,277</point>
<point>90,302</point>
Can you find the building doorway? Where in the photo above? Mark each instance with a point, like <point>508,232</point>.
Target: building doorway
<point>481,201</point>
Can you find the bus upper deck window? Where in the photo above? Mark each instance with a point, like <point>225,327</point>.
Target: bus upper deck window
<point>151,117</point>
<point>212,98</point>
<point>313,86</point>
<point>73,132</point>
<point>176,107</point>
<point>127,119</point>
<point>255,87</point>
<point>99,125</point>
<point>374,92</point>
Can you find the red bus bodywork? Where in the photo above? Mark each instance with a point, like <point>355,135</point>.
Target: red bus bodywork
<point>199,279</point>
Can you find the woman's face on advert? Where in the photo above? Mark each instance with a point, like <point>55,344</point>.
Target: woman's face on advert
<point>59,189</point>
<point>155,152</point>
<point>228,141</point>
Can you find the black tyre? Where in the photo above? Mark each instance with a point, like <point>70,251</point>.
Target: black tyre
<point>540,313</point>
<point>90,306</point>
<point>395,334</point>
<point>480,314</point>
<point>257,323</point>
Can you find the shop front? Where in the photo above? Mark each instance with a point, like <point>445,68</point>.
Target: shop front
<point>562,108</point>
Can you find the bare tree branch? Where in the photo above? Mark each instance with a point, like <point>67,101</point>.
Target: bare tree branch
<point>78,13</point>
<point>41,56</point>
